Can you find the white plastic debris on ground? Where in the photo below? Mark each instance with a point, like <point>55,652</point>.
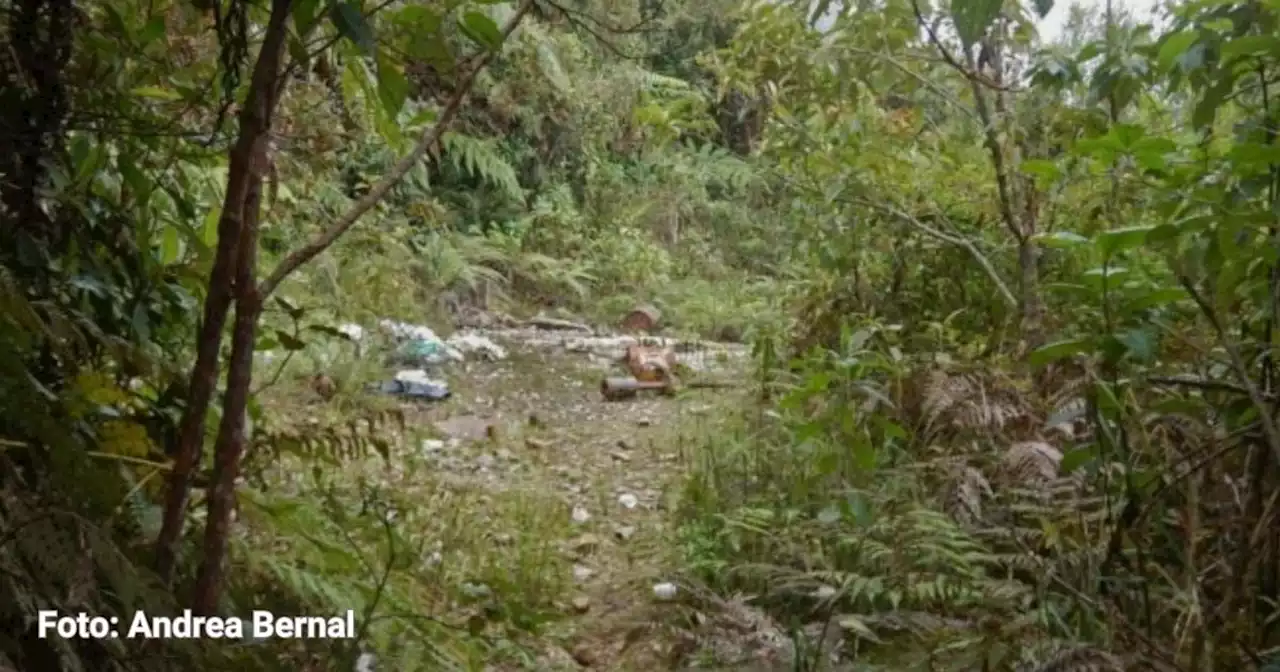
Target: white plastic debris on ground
<point>470,343</point>
<point>352,331</point>
<point>403,330</point>
<point>418,376</point>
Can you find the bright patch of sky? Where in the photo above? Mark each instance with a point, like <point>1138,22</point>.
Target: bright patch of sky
<point>1052,25</point>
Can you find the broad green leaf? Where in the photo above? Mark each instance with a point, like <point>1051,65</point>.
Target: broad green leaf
<point>351,24</point>
<point>209,229</point>
<point>1041,168</point>
<point>298,51</point>
<point>169,247</point>
<point>973,17</point>
<point>1174,46</point>
<point>480,29</point>
<point>305,13</point>
<point>1127,135</point>
<point>1119,240</point>
<point>1059,350</point>
<point>393,88</point>
<point>1060,239</point>
<point>139,184</point>
<point>421,20</point>
<point>156,93</point>
<point>1249,45</point>
<point>289,341</point>
<point>289,307</point>
<point>864,455</point>
<point>1207,108</point>
<point>1159,297</point>
<point>153,31</point>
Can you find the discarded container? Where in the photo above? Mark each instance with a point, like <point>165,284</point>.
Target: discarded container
<point>649,364</point>
<point>416,384</point>
<point>617,389</point>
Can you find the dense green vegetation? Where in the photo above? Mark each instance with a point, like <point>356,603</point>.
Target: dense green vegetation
<point>1012,306</point>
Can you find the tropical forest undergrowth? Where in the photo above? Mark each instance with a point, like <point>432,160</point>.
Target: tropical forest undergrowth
<point>974,322</point>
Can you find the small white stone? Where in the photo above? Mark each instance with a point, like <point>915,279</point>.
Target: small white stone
<point>628,500</point>
<point>580,515</point>
<point>664,591</point>
<point>582,573</point>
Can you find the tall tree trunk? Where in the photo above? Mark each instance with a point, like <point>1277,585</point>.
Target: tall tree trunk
<point>255,124</point>
<point>1031,304</point>
<point>230,446</point>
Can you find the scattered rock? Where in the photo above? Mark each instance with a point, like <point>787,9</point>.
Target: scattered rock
<point>503,539</point>
<point>644,318</point>
<point>665,591</point>
<point>620,456</point>
<point>582,573</point>
<point>628,500</point>
<point>644,422</point>
<point>624,532</point>
<point>581,515</point>
<point>581,604</point>
<point>584,656</point>
<point>625,444</point>
<point>536,444</point>
<point>586,544</point>
<point>432,445</point>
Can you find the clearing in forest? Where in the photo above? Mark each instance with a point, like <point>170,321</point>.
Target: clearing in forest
<point>548,509</point>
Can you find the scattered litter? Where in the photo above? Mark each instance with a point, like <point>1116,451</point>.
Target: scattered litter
<point>580,515</point>
<point>419,345</point>
<point>474,344</point>
<point>618,389</point>
<point>664,591</point>
<point>628,500</point>
<point>352,331</point>
<point>417,384</point>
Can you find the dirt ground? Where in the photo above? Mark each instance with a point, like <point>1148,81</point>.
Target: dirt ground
<point>536,422</point>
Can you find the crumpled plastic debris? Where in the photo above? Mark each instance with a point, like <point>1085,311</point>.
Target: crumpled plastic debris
<point>416,383</point>
<point>469,343</point>
<point>352,331</point>
<point>419,345</point>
